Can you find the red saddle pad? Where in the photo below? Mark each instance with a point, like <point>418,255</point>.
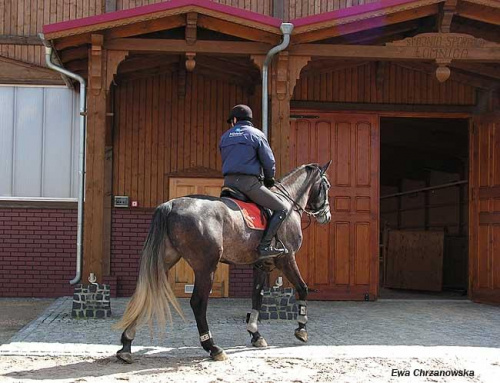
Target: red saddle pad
<point>253,216</point>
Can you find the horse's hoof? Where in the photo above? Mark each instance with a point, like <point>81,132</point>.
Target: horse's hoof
<point>301,334</point>
<point>125,356</point>
<point>260,342</point>
<point>219,357</point>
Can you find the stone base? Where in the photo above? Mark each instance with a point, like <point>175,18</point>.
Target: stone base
<point>278,303</point>
<point>91,301</point>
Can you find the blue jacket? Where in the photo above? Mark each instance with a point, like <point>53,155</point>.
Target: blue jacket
<point>245,150</point>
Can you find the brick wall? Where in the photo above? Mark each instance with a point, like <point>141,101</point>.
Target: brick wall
<point>129,230</point>
<point>240,281</point>
<point>37,252</point>
<point>128,233</point>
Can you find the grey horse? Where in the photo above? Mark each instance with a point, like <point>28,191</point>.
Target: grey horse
<point>205,231</point>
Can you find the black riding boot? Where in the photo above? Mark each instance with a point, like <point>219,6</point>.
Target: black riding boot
<point>265,249</point>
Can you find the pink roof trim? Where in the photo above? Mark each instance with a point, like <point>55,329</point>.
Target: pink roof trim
<point>346,12</point>
<point>159,7</point>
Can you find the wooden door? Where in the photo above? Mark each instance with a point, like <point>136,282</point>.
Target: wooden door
<point>484,210</point>
<point>181,275</point>
<point>340,259</point>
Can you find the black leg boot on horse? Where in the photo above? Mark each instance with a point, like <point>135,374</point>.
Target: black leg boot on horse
<point>266,249</point>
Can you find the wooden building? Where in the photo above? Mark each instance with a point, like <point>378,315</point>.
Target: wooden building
<point>402,95</point>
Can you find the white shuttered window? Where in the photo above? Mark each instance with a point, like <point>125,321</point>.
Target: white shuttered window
<point>39,140</point>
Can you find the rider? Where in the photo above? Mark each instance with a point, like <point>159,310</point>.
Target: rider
<point>246,156</point>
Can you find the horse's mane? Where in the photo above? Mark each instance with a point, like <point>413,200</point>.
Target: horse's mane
<point>293,173</point>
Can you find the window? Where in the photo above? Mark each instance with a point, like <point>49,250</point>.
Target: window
<point>39,140</point>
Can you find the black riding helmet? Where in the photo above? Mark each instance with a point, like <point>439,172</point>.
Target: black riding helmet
<point>241,112</point>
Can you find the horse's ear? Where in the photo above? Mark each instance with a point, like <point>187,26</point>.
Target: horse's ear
<point>325,168</point>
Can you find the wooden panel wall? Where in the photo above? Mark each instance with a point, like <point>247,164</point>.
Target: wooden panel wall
<point>27,17</point>
<point>158,133</point>
<point>301,8</point>
<point>260,6</point>
<point>397,85</point>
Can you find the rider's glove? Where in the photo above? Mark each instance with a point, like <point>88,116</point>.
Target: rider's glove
<point>268,182</point>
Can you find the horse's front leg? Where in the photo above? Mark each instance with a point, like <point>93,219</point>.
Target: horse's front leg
<point>259,277</point>
<point>199,301</point>
<point>291,271</point>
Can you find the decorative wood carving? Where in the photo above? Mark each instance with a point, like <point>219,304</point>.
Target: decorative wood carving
<point>285,74</point>
<point>190,62</point>
<point>443,48</point>
<point>446,17</point>
<point>191,27</point>
<point>114,58</point>
<point>95,63</point>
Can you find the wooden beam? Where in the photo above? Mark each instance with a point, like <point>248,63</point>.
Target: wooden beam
<point>396,53</point>
<point>485,14</point>
<point>233,29</point>
<point>145,27</point>
<point>340,28</point>
<point>96,234</point>
<point>488,70</point>
<point>79,53</point>
<point>20,40</point>
<point>191,29</point>
<point>17,72</point>
<point>347,106</point>
<point>180,46</point>
<point>446,15</point>
<point>138,63</point>
<point>72,41</point>
<point>430,69</point>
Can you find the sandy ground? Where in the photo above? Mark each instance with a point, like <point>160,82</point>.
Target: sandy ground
<point>16,313</point>
<point>410,338</point>
<point>293,364</point>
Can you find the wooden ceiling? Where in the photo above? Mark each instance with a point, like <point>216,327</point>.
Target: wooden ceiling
<point>412,147</point>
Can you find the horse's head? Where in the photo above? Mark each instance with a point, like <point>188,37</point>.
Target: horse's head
<point>318,204</point>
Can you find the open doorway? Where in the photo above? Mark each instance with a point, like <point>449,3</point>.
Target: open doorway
<point>424,208</point>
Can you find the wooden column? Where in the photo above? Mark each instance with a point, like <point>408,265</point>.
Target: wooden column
<point>97,207</point>
<point>284,74</point>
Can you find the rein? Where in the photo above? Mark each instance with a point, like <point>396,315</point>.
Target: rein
<point>298,208</point>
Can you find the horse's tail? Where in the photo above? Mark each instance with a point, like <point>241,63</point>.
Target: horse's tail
<point>153,295</point>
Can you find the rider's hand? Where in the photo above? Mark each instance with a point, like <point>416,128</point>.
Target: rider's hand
<point>268,182</point>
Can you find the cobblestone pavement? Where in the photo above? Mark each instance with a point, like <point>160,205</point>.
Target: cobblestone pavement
<point>348,342</point>
<point>385,322</point>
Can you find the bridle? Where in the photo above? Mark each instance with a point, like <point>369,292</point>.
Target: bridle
<point>325,206</point>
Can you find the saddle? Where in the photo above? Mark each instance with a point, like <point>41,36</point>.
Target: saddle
<point>255,216</point>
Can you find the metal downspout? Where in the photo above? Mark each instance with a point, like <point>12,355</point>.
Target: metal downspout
<point>81,155</point>
<point>286,29</point>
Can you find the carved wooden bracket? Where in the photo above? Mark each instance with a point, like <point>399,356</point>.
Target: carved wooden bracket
<point>286,71</point>
<point>446,15</point>
<point>190,62</point>
<point>95,63</point>
<point>114,58</point>
<point>191,27</point>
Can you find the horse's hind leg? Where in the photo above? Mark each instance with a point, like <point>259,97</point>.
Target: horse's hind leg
<point>128,336</point>
<point>199,300</point>
<point>292,273</point>
<point>259,277</point>
<point>125,353</point>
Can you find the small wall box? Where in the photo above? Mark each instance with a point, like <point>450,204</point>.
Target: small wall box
<point>121,201</point>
